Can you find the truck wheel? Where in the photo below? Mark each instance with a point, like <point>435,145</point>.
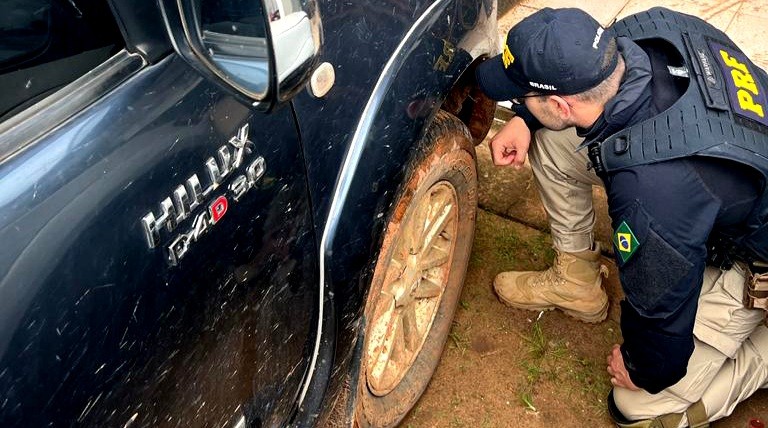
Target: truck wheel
<point>418,275</point>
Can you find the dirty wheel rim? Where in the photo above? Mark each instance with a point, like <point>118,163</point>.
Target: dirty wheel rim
<point>413,288</point>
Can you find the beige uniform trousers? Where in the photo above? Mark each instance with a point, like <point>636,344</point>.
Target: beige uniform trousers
<point>565,186</point>
<point>729,361</point>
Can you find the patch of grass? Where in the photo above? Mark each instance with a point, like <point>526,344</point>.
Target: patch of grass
<point>541,249</point>
<point>460,341</point>
<point>527,401</point>
<point>539,346</point>
<point>550,360</point>
<point>508,247</point>
<point>459,334</point>
<point>532,371</point>
<point>591,382</point>
<point>537,343</point>
<point>502,245</point>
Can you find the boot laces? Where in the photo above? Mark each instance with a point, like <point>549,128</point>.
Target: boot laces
<point>557,271</point>
<point>552,275</point>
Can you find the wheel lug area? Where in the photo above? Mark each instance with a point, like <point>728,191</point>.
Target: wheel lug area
<point>404,293</point>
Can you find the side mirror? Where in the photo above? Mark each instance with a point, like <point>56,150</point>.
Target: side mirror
<point>264,51</point>
<point>293,44</point>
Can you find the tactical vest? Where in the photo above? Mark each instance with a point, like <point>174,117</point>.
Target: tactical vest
<point>723,113</point>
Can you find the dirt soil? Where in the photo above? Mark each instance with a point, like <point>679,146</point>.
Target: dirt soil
<point>504,367</point>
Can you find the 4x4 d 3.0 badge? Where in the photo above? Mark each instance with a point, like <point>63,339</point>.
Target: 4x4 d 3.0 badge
<point>190,195</point>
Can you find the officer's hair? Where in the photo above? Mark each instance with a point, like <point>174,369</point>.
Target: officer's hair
<point>610,86</point>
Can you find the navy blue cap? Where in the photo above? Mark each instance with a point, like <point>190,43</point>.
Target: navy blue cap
<point>552,51</point>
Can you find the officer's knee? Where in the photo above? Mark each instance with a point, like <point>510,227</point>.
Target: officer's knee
<point>640,409</point>
<point>565,141</point>
<point>641,405</point>
<point>549,147</point>
<point>632,405</point>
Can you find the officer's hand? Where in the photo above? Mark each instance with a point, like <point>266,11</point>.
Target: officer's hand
<point>619,375</point>
<point>510,145</point>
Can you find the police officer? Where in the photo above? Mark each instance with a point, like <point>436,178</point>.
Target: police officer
<point>667,113</point>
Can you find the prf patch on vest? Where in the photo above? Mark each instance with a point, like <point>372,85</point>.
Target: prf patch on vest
<point>746,96</point>
<point>625,241</point>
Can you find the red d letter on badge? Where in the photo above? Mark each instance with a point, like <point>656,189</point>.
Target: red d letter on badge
<point>218,208</point>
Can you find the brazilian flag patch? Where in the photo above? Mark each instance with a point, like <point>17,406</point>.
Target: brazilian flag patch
<point>625,241</point>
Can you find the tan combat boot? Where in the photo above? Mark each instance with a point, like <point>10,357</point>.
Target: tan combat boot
<point>572,284</point>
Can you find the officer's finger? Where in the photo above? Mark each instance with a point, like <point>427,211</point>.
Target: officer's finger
<point>519,158</point>
<point>619,381</point>
<point>616,354</point>
<point>502,155</point>
<point>497,149</point>
<point>503,160</point>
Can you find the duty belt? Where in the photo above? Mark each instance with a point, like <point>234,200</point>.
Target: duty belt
<point>723,253</point>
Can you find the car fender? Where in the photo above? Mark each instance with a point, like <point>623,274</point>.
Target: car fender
<point>431,58</point>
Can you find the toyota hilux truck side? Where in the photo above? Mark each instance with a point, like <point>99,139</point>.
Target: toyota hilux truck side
<point>233,213</point>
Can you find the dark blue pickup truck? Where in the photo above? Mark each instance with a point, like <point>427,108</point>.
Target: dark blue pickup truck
<point>231,213</point>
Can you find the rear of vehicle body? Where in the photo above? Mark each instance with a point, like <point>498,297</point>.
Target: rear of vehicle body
<point>189,233</point>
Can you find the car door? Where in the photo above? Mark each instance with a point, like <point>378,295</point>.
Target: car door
<point>159,263</point>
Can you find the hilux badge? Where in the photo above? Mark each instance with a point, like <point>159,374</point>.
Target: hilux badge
<point>190,195</point>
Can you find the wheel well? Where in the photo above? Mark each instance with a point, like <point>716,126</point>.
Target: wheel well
<point>467,102</point>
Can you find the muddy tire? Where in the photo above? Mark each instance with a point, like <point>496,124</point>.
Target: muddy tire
<point>419,274</point>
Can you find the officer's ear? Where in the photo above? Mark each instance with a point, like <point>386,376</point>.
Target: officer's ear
<point>560,106</point>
